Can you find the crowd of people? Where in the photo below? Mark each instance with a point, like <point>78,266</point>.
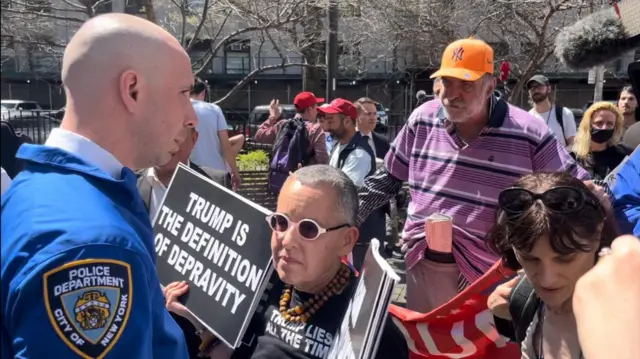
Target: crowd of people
<point>527,189</point>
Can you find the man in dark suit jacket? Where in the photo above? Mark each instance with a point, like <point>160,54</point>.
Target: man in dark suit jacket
<point>381,145</point>
<point>366,123</point>
<point>152,185</point>
<point>374,225</point>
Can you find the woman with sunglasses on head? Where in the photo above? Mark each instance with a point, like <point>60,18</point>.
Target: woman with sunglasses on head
<point>550,226</point>
<point>597,146</point>
<point>312,229</point>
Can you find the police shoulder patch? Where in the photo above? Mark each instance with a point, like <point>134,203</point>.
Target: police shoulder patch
<point>89,302</point>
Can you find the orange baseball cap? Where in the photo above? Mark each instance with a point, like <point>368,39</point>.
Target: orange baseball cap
<point>466,59</point>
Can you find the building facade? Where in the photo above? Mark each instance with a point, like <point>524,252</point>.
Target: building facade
<point>388,78</point>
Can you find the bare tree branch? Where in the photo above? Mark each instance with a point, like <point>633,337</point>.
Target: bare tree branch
<point>196,34</point>
<point>253,73</point>
<point>388,37</point>
<point>236,33</point>
<point>45,15</point>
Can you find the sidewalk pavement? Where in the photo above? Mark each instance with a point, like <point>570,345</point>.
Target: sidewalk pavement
<point>398,296</point>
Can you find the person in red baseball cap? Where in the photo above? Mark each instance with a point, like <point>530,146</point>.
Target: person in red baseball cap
<point>335,120</point>
<point>352,154</point>
<point>340,116</point>
<point>306,104</point>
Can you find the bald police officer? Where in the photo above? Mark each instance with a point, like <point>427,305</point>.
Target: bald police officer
<point>78,261</point>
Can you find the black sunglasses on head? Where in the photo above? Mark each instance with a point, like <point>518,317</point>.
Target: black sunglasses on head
<point>563,199</point>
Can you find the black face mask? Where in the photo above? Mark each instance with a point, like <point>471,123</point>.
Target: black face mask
<point>601,135</point>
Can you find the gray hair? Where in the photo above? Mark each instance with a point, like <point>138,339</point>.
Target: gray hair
<point>486,79</point>
<point>345,191</point>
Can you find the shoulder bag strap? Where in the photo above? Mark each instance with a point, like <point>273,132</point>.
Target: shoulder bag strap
<point>523,304</point>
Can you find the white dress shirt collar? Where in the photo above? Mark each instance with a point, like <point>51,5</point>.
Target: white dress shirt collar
<point>158,191</point>
<point>153,179</point>
<point>86,149</point>
<point>152,176</point>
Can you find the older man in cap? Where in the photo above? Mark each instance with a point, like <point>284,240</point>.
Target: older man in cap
<point>458,152</point>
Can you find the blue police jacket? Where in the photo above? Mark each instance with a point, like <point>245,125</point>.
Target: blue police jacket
<point>626,192</point>
<point>78,265</point>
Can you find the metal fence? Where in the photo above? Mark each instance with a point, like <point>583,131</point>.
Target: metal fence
<point>38,125</point>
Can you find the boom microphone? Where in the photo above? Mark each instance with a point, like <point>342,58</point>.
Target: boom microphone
<point>421,95</point>
<point>600,37</point>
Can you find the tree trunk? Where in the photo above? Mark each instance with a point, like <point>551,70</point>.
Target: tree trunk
<point>150,11</point>
<point>311,77</point>
<point>313,52</point>
<point>514,94</point>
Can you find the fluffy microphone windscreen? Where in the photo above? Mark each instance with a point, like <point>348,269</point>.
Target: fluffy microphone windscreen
<point>595,40</point>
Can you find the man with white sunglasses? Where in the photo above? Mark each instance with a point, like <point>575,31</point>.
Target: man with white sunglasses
<point>313,228</point>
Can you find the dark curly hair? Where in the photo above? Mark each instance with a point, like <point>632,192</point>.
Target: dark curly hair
<point>568,232</point>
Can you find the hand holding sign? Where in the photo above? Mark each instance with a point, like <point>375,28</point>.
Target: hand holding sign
<point>172,294</point>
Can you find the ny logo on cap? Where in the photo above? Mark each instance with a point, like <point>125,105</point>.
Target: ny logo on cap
<point>457,54</point>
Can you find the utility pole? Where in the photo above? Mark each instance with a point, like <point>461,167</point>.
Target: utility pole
<point>599,70</point>
<point>332,49</point>
<point>599,85</point>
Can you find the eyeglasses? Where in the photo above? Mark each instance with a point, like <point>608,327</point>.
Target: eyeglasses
<point>307,228</point>
<point>562,199</point>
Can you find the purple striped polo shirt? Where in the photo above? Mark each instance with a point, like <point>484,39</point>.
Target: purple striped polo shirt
<point>463,181</point>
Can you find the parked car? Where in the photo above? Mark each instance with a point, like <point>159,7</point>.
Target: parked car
<point>383,118</point>
<point>20,105</point>
<point>234,129</point>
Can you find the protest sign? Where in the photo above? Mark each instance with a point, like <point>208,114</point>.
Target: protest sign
<point>364,320</point>
<point>219,242</point>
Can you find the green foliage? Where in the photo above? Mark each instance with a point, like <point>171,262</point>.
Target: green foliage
<point>257,160</point>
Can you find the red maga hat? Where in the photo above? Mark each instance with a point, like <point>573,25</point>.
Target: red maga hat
<point>341,106</point>
<point>306,99</point>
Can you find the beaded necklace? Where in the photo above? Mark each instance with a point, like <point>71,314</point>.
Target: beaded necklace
<point>302,312</point>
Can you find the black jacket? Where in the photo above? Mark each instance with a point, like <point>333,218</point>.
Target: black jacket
<point>381,144</point>
<point>374,226</point>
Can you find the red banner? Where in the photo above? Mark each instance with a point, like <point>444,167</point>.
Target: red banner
<point>462,328</point>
